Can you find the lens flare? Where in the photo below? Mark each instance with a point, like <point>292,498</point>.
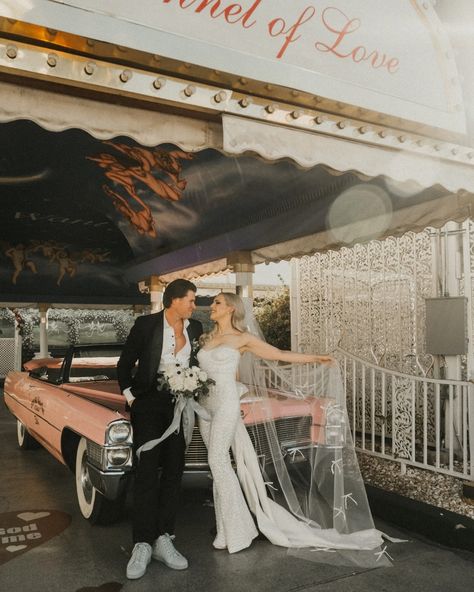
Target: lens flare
<point>360,213</point>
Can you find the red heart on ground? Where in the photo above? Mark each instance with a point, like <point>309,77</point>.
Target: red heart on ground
<point>22,531</point>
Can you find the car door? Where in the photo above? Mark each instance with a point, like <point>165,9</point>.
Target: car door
<point>39,398</point>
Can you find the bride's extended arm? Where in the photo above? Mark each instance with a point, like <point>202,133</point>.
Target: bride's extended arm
<point>269,352</point>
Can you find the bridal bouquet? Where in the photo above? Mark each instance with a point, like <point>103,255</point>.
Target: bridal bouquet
<point>185,382</point>
<point>186,386</point>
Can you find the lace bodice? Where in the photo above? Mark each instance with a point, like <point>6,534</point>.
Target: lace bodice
<point>219,361</point>
<point>221,365</point>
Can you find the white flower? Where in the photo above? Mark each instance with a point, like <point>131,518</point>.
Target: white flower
<point>186,381</point>
<point>190,383</point>
<point>176,382</point>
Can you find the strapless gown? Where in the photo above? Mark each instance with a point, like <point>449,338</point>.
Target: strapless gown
<point>235,525</point>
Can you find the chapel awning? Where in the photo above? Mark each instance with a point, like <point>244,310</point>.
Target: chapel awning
<point>87,218</point>
<point>125,163</point>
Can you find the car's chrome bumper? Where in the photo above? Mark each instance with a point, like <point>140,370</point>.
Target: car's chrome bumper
<point>110,484</point>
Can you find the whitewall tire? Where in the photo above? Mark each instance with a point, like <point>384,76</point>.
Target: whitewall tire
<point>92,504</point>
<point>24,438</point>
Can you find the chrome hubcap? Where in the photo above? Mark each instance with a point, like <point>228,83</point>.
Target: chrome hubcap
<point>86,484</point>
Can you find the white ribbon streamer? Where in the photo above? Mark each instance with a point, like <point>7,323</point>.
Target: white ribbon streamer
<point>185,407</point>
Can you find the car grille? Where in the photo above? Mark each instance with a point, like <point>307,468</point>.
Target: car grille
<point>94,453</point>
<point>196,454</point>
<point>290,430</point>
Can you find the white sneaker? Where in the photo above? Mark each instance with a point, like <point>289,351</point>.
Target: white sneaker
<point>164,551</point>
<point>141,557</point>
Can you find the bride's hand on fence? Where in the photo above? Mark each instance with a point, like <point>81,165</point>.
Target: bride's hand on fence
<point>325,359</point>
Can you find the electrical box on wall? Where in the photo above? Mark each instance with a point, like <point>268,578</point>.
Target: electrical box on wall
<point>446,326</point>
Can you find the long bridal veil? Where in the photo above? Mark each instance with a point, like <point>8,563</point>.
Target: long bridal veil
<point>311,498</point>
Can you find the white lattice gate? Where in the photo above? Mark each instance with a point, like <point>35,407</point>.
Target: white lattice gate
<point>368,298</point>
<point>370,301</point>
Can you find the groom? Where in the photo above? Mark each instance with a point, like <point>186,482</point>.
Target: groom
<point>155,341</point>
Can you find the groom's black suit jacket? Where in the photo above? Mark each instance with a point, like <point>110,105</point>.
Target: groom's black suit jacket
<point>145,343</point>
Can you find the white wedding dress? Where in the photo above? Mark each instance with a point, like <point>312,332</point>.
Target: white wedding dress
<point>235,526</point>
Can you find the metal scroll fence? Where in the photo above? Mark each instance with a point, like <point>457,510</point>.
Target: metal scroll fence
<point>413,420</point>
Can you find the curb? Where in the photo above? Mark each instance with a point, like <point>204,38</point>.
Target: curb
<point>437,524</point>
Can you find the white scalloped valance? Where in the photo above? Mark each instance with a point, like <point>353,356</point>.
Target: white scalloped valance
<point>57,112</point>
<point>198,271</point>
<point>309,149</point>
<point>414,218</point>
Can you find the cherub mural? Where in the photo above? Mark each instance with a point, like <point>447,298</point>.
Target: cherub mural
<point>19,256</point>
<point>57,253</point>
<point>148,161</point>
<point>93,256</point>
<point>68,262</point>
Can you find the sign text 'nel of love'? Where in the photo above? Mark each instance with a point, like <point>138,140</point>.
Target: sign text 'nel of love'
<point>337,29</point>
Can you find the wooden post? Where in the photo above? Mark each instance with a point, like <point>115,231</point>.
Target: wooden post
<point>243,267</point>
<point>43,330</point>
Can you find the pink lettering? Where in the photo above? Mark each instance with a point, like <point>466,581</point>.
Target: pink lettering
<point>378,60</point>
<point>350,26</point>
<point>249,13</point>
<point>345,27</point>
<point>232,14</point>
<point>393,65</point>
<point>182,3</point>
<point>231,10</point>
<point>338,25</point>
<point>205,3</point>
<point>359,54</point>
<point>277,27</point>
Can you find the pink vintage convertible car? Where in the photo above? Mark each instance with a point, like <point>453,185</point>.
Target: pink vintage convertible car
<point>72,406</point>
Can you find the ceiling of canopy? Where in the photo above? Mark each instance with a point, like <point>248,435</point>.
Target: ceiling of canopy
<point>84,219</point>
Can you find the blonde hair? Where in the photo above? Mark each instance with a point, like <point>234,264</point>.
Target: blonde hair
<point>237,318</point>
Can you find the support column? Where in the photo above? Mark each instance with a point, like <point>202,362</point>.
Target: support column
<point>468,487</point>
<point>452,283</point>
<point>18,341</point>
<point>242,266</point>
<point>453,263</point>
<point>43,330</point>
<point>154,287</point>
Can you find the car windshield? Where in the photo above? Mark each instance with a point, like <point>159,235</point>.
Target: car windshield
<point>93,363</point>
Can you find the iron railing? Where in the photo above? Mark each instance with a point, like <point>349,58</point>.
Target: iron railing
<point>413,420</point>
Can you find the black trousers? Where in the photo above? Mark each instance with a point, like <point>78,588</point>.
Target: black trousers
<point>156,498</point>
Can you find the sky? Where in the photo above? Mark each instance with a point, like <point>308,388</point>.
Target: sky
<point>268,274</point>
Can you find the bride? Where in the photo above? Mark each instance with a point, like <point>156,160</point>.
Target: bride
<point>315,509</point>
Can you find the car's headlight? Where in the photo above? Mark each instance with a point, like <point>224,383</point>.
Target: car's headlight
<point>119,432</point>
<point>116,457</point>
